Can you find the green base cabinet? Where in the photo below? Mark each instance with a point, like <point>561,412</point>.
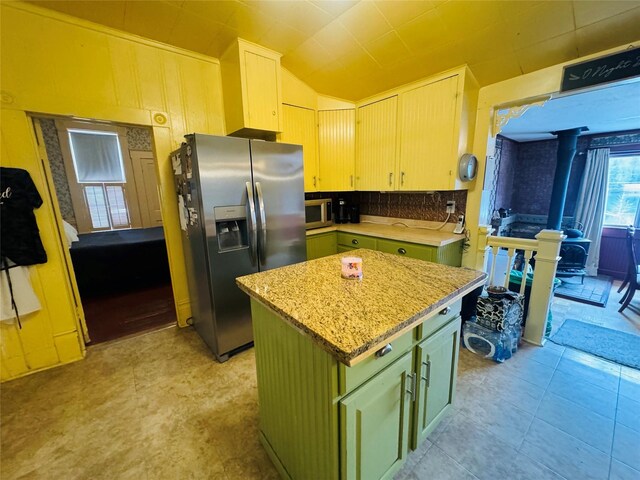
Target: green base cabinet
<point>450,254</point>
<point>374,423</point>
<point>436,367</point>
<point>320,419</point>
<point>321,245</point>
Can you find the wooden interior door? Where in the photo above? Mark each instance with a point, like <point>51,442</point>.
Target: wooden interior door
<point>144,171</point>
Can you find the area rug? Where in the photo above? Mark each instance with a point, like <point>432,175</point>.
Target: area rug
<point>614,345</point>
<point>594,290</point>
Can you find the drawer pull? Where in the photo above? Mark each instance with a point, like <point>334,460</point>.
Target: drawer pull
<point>384,350</point>
<point>445,310</point>
<point>355,241</point>
<point>402,251</point>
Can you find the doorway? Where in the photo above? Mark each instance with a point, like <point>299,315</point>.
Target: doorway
<point>602,200</point>
<point>104,176</point>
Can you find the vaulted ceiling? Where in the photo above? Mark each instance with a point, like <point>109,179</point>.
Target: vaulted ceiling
<point>352,49</point>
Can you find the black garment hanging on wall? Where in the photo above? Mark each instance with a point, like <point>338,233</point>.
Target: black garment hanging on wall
<point>19,235</point>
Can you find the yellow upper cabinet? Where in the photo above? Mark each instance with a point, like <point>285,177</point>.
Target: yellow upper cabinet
<point>426,136</point>
<point>252,90</point>
<point>299,127</point>
<point>376,145</point>
<point>337,149</point>
<point>411,138</point>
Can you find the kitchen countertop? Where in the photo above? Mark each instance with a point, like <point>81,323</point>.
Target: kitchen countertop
<point>352,318</point>
<point>435,238</point>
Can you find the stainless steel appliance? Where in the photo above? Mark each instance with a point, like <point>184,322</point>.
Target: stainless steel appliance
<point>318,213</point>
<point>241,206</point>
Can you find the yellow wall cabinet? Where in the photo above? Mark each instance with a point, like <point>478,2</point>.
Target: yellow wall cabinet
<point>426,136</point>
<point>337,150</point>
<point>299,127</point>
<point>412,140</point>
<point>252,90</point>
<point>377,144</point>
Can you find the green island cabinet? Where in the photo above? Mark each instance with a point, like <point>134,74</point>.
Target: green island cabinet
<point>321,419</point>
<point>329,243</point>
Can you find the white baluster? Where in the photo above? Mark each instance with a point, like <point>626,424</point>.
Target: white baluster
<point>525,268</point>
<point>510,253</point>
<point>494,251</point>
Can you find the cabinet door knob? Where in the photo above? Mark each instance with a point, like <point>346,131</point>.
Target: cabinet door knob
<point>384,350</point>
<point>274,113</point>
<point>355,241</point>
<point>445,310</point>
<point>402,251</point>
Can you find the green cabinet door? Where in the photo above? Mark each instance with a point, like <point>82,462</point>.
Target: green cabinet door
<point>374,424</point>
<point>321,245</point>
<point>437,364</point>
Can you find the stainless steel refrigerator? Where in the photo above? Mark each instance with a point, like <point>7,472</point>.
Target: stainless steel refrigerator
<point>241,205</point>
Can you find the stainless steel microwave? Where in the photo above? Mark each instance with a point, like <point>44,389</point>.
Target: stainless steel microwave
<point>318,213</point>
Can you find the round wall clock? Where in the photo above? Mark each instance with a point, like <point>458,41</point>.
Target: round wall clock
<point>467,167</point>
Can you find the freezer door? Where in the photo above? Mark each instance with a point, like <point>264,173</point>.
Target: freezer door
<point>279,190</point>
<point>222,166</point>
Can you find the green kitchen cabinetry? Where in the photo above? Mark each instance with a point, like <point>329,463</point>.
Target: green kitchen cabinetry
<point>320,419</point>
<point>321,245</point>
<point>375,423</point>
<point>412,250</point>
<point>450,254</point>
<point>436,367</point>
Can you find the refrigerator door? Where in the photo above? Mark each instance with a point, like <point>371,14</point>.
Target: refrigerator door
<point>222,167</point>
<point>279,191</point>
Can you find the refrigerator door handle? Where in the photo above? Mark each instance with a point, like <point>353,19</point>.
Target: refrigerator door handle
<point>262,242</point>
<point>253,230</point>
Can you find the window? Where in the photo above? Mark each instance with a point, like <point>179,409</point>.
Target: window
<point>623,195</point>
<point>100,175</point>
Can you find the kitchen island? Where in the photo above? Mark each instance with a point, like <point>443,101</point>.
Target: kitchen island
<point>353,373</point>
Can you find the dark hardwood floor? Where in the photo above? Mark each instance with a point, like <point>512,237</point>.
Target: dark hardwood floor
<point>118,314</point>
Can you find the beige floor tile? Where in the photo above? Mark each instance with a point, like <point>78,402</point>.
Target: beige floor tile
<point>564,453</point>
<point>580,422</point>
<point>626,446</point>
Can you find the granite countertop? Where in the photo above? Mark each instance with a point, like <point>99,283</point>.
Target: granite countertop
<point>421,236</point>
<point>349,318</point>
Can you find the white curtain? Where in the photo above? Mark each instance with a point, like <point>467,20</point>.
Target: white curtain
<point>592,201</point>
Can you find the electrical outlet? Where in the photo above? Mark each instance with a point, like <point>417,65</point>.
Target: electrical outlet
<point>451,206</point>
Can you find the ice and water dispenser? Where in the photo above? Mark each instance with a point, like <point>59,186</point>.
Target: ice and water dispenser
<point>231,227</point>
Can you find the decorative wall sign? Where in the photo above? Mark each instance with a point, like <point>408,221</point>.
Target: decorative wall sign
<point>601,70</point>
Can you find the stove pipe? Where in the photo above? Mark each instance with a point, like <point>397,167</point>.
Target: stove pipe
<point>567,141</point>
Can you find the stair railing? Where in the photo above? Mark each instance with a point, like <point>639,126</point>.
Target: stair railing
<point>545,249</point>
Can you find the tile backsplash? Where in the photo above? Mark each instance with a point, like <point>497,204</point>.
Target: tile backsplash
<point>430,206</point>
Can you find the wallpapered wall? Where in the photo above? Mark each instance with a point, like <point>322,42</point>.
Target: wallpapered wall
<point>416,206</point>
<point>138,138</point>
<point>525,175</point>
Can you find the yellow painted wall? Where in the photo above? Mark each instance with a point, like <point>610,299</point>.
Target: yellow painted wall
<point>519,90</point>
<point>296,92</point>
<point>54,64</point>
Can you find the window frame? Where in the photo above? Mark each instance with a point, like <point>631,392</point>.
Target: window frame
<point>78,199</point>
<point>617,152</point>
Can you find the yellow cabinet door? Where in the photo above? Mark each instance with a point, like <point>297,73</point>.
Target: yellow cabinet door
<point>337,149</point>
<point>261,91</point>
<point>426,136</point>
<point>376,145</point>
<point>299,127</point>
